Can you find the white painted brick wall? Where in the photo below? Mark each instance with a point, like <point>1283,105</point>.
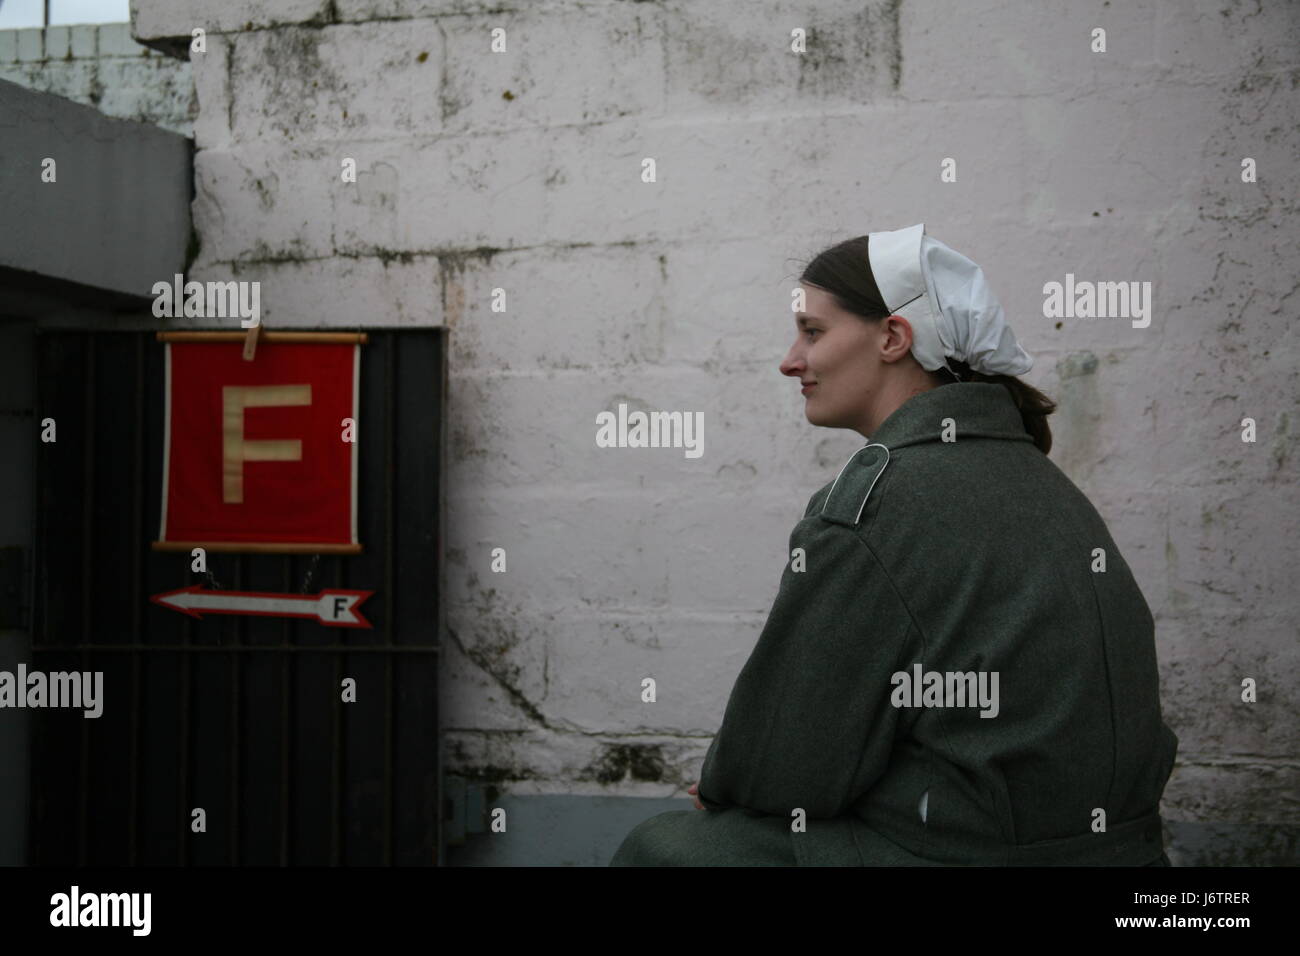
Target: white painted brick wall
<point>521,171</point>
<point>102,66</point>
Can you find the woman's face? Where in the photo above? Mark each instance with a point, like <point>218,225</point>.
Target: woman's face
<point>837,357</point>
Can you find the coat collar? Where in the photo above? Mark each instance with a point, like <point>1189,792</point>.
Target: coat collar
<point>978,409</point>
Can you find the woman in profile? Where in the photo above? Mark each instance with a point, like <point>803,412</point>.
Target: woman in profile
<point>959,667</point>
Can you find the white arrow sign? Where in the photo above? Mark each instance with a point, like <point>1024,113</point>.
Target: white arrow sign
<point>333,608</point>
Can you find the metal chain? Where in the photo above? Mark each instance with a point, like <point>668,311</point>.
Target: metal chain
<point>311,570</point>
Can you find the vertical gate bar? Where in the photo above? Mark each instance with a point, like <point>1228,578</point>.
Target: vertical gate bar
<point>137,578</point>
<point>286,661</point>
<point>133,855</point>
<point>37,847</point>
<point>241,629</point>
<point>336,736</point>
<point>390,411</point>
<point>286,630</point>
<point>87,564</point>
<point>186,655</point>
<point>189,630</point>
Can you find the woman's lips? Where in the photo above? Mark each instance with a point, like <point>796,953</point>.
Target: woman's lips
<point>808,388</point>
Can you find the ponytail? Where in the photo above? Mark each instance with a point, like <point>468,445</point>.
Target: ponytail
<point>1034,406</point>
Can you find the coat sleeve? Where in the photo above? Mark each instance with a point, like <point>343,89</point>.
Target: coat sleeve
<point>809,722</point>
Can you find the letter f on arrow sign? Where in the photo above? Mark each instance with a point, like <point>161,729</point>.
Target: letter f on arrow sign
<point>333,608</point>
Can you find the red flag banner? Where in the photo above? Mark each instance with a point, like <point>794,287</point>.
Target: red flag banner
<point>256,455</point>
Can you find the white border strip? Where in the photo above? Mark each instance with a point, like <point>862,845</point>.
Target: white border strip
<point>873,481</point>
<point>167,435</point>
<point>356,429</point>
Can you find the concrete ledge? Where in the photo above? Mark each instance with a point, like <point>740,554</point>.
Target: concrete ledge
<point>164,23</point>
<point>117,216</point>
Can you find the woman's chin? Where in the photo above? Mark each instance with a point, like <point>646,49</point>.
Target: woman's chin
<point>823,419</point>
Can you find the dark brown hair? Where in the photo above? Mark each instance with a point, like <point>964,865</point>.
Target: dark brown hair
<point>844,271</point>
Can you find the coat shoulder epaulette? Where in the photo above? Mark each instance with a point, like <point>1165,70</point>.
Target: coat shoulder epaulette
<point>848,496</point>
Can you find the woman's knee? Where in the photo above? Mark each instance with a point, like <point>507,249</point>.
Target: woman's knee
<point>650,842</point>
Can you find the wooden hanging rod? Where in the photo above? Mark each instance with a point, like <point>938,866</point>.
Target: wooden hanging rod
<point>257,547</point>
<point>302,338</point>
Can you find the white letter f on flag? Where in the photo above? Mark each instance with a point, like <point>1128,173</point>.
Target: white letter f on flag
<point>236,450</point>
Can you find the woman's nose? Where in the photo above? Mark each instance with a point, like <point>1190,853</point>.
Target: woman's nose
<point>790,364</point>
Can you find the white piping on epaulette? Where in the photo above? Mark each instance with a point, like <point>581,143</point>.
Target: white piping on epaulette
<point>873,480</point>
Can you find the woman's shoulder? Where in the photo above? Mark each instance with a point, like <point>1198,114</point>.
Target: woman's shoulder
<point>817,500</point>
<point>843,499</point>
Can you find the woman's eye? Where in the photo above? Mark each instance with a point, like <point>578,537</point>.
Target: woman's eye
<point>811,331</point>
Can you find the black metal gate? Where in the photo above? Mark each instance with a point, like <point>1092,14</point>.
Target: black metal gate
<point>239,716</point>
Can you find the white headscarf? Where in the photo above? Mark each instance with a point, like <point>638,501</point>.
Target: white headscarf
<point>945,298</point>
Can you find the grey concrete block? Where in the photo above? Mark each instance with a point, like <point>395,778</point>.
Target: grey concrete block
<point>8,46</point>
<point>115,40</point>
<point>31,45</point>
<point>58,42</point>
<point>84,40</point>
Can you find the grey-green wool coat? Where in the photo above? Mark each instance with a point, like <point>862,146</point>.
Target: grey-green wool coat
<point>974,555</point>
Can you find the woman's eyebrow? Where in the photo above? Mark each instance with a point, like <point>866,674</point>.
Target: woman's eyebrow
<point>803,318</point>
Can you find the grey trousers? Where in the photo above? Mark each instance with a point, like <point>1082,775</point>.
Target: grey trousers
<point>739,837</point>
<point>707,838</point>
